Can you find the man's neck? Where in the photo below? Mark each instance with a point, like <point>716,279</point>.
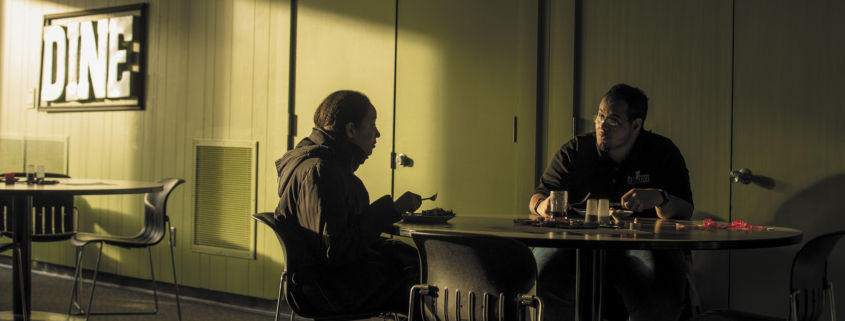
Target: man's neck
<point>619,155</point>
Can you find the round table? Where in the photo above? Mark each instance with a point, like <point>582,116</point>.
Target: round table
<point>23,193</point>
<point>652,234</point>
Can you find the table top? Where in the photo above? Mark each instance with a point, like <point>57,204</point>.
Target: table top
<point>652,234</point>
<point>77,186</point>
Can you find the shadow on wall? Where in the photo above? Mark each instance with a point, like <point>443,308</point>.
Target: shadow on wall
<point>814,211</point>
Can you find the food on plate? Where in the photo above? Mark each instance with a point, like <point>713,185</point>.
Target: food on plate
<point>433,212</point>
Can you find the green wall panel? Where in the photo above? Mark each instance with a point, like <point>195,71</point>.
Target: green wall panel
<point>465,69</point>
<point>788,124</point>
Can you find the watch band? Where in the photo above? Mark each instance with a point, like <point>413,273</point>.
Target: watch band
<point>665,197</point>
<point>538,204</point>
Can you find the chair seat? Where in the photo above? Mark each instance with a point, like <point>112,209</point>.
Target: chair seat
<point>732,315</point>
<point>81,239</point>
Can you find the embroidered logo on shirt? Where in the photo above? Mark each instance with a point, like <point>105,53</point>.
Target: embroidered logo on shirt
<point>638,178</point>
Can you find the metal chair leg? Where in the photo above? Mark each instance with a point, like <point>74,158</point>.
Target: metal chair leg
<point>94,283</point>
<point>175,283</point>
<point>832,303</point>
<point>279,298</point>
<point>77,284</point>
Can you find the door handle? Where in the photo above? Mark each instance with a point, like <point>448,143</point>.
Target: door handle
<point>404,161</point>
<point>741,176</point>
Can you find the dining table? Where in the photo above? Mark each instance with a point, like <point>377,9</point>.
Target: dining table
<point>23,194</point>
<point>591,243</point>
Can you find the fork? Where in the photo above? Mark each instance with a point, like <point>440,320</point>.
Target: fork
<point>433,197</point>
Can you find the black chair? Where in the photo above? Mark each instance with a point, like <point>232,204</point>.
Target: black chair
<point>156,225</point>
<point>17,247</point>
<point>809,285</point>
<point>293,254</point>
<point>475,277</point>
<point>54,218</point>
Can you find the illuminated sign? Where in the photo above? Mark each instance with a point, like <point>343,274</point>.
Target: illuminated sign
<point>93,60</point>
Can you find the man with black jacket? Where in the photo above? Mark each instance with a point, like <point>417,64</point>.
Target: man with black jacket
<point>352,268</point>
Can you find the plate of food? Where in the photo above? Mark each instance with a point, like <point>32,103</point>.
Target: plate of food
<point>435,215</point>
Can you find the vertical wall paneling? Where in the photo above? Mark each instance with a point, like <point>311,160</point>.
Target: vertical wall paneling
<point>277,118</point>
<point>561,69</point>
<point>258,128</point>
<point>787,129</point>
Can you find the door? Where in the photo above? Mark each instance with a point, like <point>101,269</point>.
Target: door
<point>465,77</point>
<point>788,130</point>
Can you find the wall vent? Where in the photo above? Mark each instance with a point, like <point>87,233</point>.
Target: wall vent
<point>225,197</point>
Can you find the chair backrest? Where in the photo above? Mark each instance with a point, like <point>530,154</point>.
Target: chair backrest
<point>809,275</point>
<point>295,257</point>
<point>53,218</point>
<point>155,211</point>
<point>474,275</point>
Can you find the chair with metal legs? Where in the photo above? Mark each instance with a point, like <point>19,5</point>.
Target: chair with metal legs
<point>810,291</point>
<point>17,247</point>
<point>156,225</point>
<point>288,287</point>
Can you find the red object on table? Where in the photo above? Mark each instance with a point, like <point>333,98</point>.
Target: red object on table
<point>10,178</point>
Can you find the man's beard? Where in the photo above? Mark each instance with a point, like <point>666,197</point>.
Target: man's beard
<point>605,147</point>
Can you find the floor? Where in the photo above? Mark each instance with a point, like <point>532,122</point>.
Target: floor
<point>51,293</point>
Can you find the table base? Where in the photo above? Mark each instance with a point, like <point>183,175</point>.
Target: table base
<point>38,315</point>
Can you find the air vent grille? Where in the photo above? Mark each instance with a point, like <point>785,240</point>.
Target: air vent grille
<point>225,198</point>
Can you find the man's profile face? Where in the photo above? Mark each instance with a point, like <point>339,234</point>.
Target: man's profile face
<point>364,134</point>
<point>607,137</point>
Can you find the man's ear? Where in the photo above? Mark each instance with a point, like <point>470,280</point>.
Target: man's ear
<point>637,124</point>
<point>350,130</point>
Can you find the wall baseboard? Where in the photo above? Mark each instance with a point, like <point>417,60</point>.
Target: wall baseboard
<point>231,300</point>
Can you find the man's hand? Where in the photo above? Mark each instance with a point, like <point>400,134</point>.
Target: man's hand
<point>640,199</point>
<point>407,203</point>
<point>543,208</point>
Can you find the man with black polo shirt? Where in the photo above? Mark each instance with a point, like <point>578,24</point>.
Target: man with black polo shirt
<point>645,173</point>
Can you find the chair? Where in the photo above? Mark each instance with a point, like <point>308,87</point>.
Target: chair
<point>293,254</point>
<point>809,285</point>
<point>475,277</point>
<point>54,218</point>
<point>17,247</point>
<point>153,231</point>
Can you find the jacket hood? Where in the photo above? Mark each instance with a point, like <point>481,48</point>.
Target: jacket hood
<point>321,144</point>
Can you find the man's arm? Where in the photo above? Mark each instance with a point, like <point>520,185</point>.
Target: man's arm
<point>541,208</point>
<point>640,199</point>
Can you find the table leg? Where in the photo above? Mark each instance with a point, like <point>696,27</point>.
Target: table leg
<point>23,236</point>
<point>589,279</point>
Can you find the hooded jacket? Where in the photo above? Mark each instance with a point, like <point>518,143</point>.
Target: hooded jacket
<point>320,193</point>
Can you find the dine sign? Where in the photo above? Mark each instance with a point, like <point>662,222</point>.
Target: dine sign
<point>92,60</point>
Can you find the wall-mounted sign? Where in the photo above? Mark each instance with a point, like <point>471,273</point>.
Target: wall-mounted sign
<point>94,59</point>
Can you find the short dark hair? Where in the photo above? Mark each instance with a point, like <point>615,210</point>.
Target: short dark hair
<point>340,108</point>
<point>633,96</point>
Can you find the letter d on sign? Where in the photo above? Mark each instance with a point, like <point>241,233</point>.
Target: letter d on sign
<point>55,61</point>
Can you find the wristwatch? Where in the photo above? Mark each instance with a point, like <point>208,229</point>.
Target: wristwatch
<point>665,197</point>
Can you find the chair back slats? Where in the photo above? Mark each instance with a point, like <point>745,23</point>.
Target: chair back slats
<point>461,266</point>
<point>53,216</point>
<point>809,275</point>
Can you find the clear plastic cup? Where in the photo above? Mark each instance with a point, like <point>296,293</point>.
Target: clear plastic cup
<point>604,211</point>
<point>557,204</point>
<point>592,211</point>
